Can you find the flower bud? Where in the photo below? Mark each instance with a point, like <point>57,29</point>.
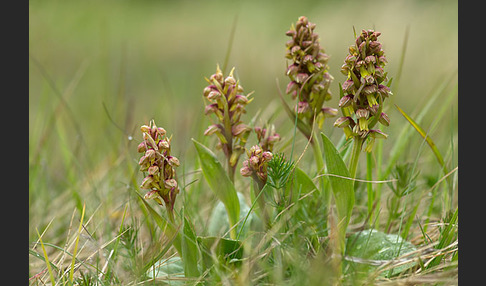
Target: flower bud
<point>239,129</point>
<point>145,128</point>
<point>378,134</point>
<point>152,170</point>
<point>346,100</point>
<point>170,184</point>
<point>267,156</point>
<point>343,121</point>
<point>245,172</point>
<point>329,111</point>
<point>348,86</point>
<point>142,147</point>
<point>384,119</point>
<point>147,182</point>
<point>173,161</point>
<point>362,113</point>
<point>212,129</point>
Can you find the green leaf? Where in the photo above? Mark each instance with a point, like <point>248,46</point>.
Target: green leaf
<point>165,226</point>
<point>427,138</point>
<point>369,249</point>
<point>167,269</point>
<point>190,251</point>
<point>219,224</point>
<point>301,184</point>
<point>341,184</point>
<point>219,249</point>
<point>219,182</point>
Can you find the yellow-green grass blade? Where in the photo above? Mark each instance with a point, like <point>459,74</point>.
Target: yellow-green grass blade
<point>71,271</point>
<point>427,138</point>
<point>46,258</point>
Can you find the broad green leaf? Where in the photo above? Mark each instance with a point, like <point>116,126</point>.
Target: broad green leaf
<point>219,224</point>
<point>301,184</point>
<point>190,251</point>
<point>219,249</point>
<point>369,249</point>
<point>341,184</point>
<point>167,269</point>
<point>219,182</point>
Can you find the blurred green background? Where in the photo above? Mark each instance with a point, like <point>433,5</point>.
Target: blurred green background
<point>100,69</point>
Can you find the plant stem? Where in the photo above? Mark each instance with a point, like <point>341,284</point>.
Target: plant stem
<point>320,169</point>
<point>259,196</point>
<point>369,185</point>
<point>353,162</point>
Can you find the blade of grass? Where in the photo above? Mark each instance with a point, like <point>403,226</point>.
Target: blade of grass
<point>71,271</point>
<point>427,138</point>
<point>46,259</point>
<point>400,145</point>
<point>164,225</point>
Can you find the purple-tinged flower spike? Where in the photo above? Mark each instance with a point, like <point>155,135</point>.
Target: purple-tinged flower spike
<point>256,164</point>
<point>308,72</point>
<point>364,90</point>
<point>159,166</point>
<point>227,103</point>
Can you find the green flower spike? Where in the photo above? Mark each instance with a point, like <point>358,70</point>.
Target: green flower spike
<point>364,90</point>
<point>158,166</point>
<point>227,103</point>
<point>308,72</point>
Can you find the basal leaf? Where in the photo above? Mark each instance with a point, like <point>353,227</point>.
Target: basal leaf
<point>341,184</point>
<point>190,251</point>
<point>369,249</point>
<point>219,182</point>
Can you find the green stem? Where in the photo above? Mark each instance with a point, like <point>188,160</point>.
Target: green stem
<point>353,162</point>
<point>369,185</point>
<point>260,198</point>
<point>320,169</point>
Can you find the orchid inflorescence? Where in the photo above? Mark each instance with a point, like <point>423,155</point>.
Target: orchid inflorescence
<point>159,166</point>
<point>227,102</point>
<point>308,72</point>
<point>364,91</point>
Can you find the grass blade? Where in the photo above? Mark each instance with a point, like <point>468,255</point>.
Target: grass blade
<point>71,271</point>
<point>51,276</point>
<point>427,138</point>
<point>220,183</point>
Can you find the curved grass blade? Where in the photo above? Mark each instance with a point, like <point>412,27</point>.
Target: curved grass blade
<point>220,183</point>
<point>427,138</point>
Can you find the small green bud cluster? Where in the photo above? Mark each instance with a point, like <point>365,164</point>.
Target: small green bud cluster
<point>227,102</point>
<point>257,164</point>
<point>310,79</point>
<point>364,91</point>
<point>159,166</point>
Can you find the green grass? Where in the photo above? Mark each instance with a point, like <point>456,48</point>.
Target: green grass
<point>98,71</point>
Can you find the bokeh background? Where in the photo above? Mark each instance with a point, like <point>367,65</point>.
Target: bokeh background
<point>100,69</point>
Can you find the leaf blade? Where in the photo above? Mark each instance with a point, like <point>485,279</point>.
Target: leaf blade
<point>342,185</point>
<point>219,183</point>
